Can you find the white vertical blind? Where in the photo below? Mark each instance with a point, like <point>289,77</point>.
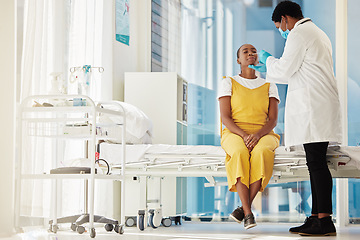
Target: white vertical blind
<point>165,36</point>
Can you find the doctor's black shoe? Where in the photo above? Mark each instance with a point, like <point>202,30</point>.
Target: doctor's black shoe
<point>320,227</point>
<point>307,223</point>
<point>249,221</point>
<point>238,214</point>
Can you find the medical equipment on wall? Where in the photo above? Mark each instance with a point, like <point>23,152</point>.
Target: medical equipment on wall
<point>83,77</point>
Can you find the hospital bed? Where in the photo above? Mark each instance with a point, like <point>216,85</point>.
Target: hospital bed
<point>144,158</point>
<point>161,160</point>
<point>205,161</point>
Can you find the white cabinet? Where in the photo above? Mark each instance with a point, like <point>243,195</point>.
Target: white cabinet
<point>45,124</point>
<point>162,96</point>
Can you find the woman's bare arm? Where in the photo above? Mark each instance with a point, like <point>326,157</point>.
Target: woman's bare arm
<point>226,116</point>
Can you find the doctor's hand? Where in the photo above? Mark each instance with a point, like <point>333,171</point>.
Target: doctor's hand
<point>263,55</point>
<point>261,68</point>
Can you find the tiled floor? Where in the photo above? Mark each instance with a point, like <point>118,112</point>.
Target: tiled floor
<point>191,231</point>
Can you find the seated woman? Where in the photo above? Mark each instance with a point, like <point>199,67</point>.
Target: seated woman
<point>248,109</point>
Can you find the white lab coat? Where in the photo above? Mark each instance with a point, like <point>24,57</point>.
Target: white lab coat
<point>312,109</point>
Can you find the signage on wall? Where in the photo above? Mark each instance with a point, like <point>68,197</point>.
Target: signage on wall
<point>122,26</point>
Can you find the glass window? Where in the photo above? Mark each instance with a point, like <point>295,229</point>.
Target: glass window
<point>212,32</point>
<point>353,102</point>
<point>354,74</point>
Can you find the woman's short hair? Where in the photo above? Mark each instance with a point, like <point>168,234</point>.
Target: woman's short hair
<point>238,51</point>
<point>289,8</point>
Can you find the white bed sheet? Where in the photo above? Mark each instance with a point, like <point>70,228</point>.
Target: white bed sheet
<point>141,152</point>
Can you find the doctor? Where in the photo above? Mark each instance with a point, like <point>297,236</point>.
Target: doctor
<point>312,111</point>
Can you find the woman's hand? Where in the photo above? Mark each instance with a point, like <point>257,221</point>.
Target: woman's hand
<point>245,137</point>
<point>251,140</point>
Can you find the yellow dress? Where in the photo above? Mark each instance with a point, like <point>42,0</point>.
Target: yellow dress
<point>249,109</point>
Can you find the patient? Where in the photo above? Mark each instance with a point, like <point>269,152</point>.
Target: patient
<point>248,109</point>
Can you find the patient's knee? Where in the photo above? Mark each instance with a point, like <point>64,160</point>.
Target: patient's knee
<point>261,149</point>
<point>241,151</point>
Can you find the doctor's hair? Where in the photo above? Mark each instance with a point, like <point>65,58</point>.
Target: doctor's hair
<point>288,8</point>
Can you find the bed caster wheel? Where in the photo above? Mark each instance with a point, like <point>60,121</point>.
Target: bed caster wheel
<point>54,228</point>
<point>130,221</point>
<point>80,229</point>
<point>73,227</point>
<point>140,223</point>
<point>166,222</point>
<point>92,232</point>
<point>141,220</point>
<point>177,220</point>
<point>155,217</point>
<point>119,229</point>
<point>109,227</point>
<point>151,219</point>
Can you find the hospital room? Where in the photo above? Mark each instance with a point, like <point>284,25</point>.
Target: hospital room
<point>180,119</point>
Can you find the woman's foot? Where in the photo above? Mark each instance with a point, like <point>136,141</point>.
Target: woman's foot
<point>249,221</point>
<point>238,214</point>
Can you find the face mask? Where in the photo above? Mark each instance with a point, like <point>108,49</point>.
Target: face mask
<point>284,34</point>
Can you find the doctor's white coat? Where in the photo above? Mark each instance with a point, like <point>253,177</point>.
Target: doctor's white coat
<point>312,108</point>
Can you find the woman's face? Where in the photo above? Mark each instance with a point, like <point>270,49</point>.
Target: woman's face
<point>247,55</point>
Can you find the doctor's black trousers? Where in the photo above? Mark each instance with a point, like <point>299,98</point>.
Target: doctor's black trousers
<point>320,177</point>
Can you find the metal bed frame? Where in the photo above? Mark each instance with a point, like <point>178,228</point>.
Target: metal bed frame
<point>287,167</point>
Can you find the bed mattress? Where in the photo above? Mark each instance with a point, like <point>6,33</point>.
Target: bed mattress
<point>141,153</point>
<point>198,160</point>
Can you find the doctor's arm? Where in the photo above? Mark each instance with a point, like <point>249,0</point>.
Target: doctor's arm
<point>252,139</point>
<point>280,70</point>
<point>226,117</point>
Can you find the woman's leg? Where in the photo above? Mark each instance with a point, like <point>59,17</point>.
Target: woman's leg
<point>254,189</point>
<point>244,194</point>
<point>262,162</point>
<point>247,195</point>
<point>237,161</point>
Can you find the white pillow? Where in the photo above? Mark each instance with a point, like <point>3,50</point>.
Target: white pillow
<point>137,123</point>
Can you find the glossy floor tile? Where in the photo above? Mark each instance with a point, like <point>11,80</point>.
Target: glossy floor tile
<point>190,231</point>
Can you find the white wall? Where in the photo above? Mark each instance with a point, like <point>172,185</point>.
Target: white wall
<point>7,106</point>
<point>137,56</point>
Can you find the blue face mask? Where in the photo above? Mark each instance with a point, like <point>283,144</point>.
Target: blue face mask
<point>284,34</point>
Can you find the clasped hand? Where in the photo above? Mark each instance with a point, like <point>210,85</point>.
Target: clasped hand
<point>251,140</point>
